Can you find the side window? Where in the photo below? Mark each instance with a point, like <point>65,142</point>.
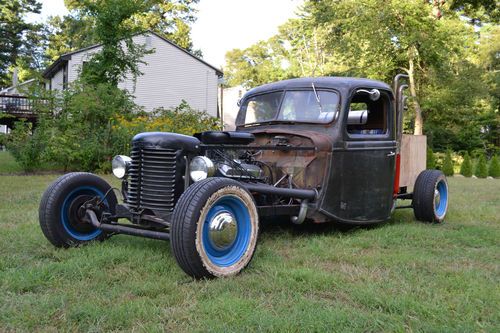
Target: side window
<point>366,116</point>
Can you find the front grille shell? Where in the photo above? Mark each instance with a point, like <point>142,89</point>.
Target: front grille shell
<point>153,179</point>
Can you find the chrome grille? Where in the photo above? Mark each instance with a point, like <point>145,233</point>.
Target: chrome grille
<point>151,179</point>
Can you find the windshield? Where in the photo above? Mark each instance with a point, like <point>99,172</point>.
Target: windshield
<point>313,106</point>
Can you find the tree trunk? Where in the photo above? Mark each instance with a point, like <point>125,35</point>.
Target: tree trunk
<point>419,123</point>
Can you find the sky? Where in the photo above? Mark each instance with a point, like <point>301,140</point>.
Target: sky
<point>222,25</point>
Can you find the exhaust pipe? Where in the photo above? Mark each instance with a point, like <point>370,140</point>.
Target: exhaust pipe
<point>302,213</point>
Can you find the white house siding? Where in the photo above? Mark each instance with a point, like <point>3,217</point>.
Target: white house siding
<point>169,76</point>
<point>57,81</point>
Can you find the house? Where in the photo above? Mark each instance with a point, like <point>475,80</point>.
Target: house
<point>230,98</point>
<point>170,74</point>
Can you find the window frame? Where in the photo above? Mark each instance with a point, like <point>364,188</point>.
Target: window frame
<point>284,91</point>
<point>388,135</point>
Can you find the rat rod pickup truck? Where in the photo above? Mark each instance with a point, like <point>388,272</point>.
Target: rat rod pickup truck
<point>310,149</point>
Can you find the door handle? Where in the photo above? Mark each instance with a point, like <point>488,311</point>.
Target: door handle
<point>391,154</point>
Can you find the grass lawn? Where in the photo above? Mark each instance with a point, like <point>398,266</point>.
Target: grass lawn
<point>8,164</point>
<point>399,276</point>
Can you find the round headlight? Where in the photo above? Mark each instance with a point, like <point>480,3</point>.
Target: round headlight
<point>200,168</point>
<point>120,165</point>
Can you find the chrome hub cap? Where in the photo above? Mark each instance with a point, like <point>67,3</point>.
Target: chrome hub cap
<point>223,230</point>
<point>437,198</point>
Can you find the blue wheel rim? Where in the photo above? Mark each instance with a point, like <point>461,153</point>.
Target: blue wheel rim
<point>82,190</point>
<point>441,207</point>
<point>233,253</point>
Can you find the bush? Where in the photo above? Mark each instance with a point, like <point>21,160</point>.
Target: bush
<point>25,148</point>
<point>466,167</point>
<point>481,167</point>
<point>431,160</point>
<point>494,170</point>
<point>182,119</point>
<point>448,164</point>
<point>87,125</point>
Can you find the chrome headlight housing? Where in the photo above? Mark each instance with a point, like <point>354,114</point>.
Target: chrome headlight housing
<point>120,165</point>
<point>200,168</point>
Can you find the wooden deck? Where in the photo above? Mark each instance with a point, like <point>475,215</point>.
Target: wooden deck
<point>14,108</point>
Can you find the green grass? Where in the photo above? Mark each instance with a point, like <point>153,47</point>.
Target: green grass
<point>399,276</point>
<point>8,164</point>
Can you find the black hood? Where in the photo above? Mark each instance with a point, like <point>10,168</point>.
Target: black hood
<point>166,140</point>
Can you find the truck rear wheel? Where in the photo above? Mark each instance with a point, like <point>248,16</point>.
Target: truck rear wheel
<point>60,219</point>
<point>214,228</point>
<point>430,196</point>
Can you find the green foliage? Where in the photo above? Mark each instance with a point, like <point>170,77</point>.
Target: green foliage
<point>448,164</point>
<point>455,71</point>
<point>494,170</point>
<point>481,167</point>
<point>16,36</point>
<point>182,119</point>
<point>25,148</point>
<point>119,55</point>
<point>91,124</point>
<point>431,160</point>
<point>171,19</point>
<point>466,167</point>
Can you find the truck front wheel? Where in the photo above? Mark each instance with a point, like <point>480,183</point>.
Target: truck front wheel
<point>214,228</point>
<point>60,216</point>
<point>430,196</point>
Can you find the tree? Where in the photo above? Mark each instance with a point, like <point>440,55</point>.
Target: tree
<point>16,36</point>
<point>431,160</point>
<point>171,19</point>
<point>119,55</point>
<point>482,167</point>
<point>379,38</point>
<point>478,11</point>
<point>466,167</point>
<point>448,164</point>
<point>494,170</point>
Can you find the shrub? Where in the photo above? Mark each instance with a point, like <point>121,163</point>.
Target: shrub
<point>482,167</point>
<point>26,148</point>
<point>466,167</point>
<point>86,125</point>
<point>431,160</point>
<point>182,119</point>
<point>448,164</point>
<point>494,170</point>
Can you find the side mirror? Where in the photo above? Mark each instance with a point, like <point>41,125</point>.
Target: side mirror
<point>374,93</point>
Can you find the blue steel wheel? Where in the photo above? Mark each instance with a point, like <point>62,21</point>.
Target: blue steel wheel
<point>430,196</point>
<point>214,228</point>
<point>61,218</point>
<point>441,199</point>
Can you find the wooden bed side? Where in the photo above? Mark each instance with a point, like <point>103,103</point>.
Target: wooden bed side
<point>413,158</point>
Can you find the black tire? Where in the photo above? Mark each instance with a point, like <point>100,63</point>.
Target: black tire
<point>192,235</point>
<point>430,196</point>
<point>58,216</point>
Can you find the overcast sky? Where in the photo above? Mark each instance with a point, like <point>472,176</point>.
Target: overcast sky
<point>222,24</point>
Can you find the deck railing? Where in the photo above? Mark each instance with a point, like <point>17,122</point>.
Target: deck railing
<point>21,106</point>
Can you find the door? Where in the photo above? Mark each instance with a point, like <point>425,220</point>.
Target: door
<point>360,189</point>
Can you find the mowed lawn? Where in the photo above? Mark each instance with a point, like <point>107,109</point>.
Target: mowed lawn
<point>399,276</point>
